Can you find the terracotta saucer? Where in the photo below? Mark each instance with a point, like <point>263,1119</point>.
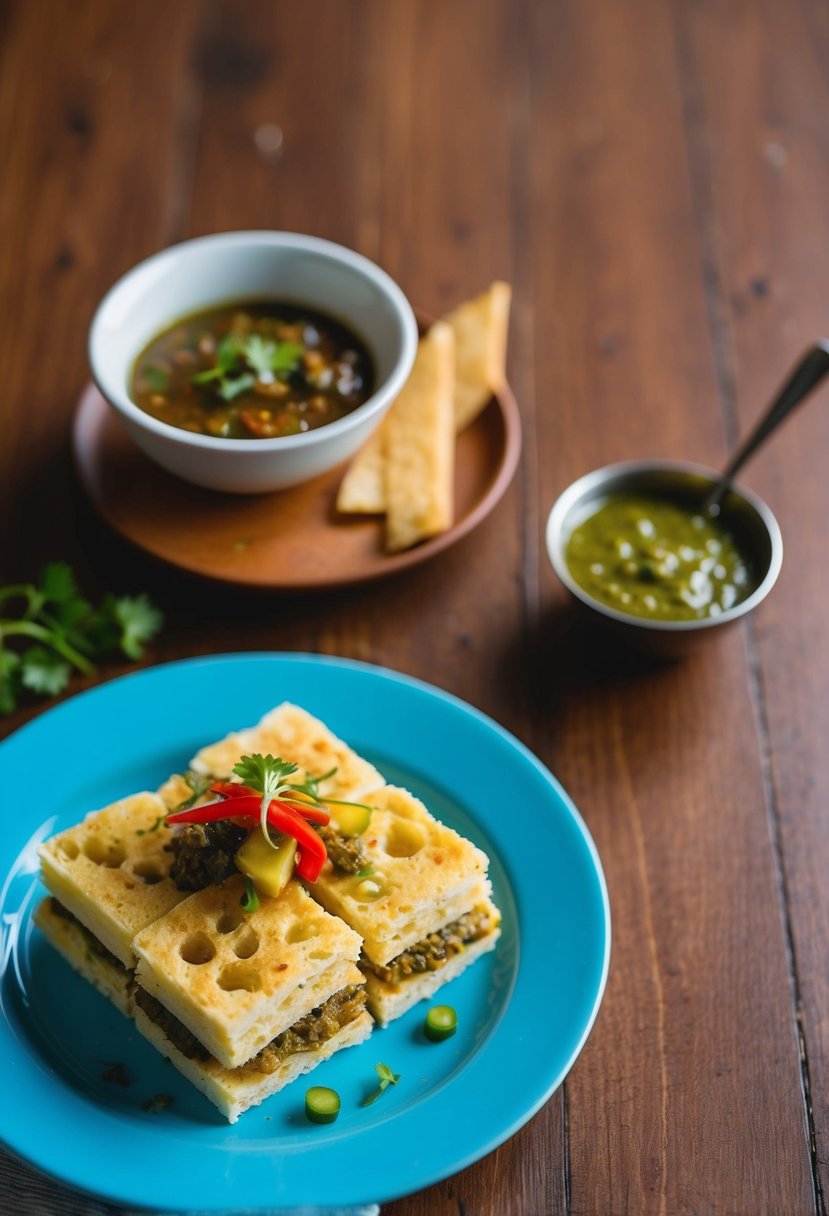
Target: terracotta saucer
<point>291,540</point>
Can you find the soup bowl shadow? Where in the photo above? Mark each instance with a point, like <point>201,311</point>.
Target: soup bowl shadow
<point>742,513</point>
<point>245,267</point>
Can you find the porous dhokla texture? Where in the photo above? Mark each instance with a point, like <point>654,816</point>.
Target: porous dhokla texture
<point>73,942</point>
<point>234,1091</point>
<point>424,875</point>
<point>293,734</point>
<point>237,980</point>
<point>112,872</point>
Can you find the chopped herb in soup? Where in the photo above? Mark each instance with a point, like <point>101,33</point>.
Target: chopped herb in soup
<point>252,371</point>
<point>658,558</point>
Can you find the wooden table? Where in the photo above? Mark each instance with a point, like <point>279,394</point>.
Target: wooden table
<point>653,177</point>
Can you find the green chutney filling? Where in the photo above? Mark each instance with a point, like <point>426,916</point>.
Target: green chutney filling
<point>659,558</point>
<point>306,1034</point>
<point>205,853</point>
<point>92,943</point>
<point>346,853</point>
<point>435,950</point>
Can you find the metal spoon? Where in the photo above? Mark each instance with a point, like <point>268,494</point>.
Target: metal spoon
<point>805,376</point>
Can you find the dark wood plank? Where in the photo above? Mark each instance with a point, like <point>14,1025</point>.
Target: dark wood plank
<point>687,1097</point>
<point>655,188</point>
<point>760,160</point>
<point>377,154</point>
<point>90,185</point>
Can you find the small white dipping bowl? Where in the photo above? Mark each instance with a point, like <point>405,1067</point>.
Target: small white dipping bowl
<point>214,270</point>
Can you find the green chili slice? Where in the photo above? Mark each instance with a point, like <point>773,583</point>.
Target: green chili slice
<point>441,1023</point>
<point>322,1105</point>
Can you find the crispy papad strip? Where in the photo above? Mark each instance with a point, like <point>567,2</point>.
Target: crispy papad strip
<point>420,446</point>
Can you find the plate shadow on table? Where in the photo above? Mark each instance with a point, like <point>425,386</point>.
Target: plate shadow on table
<point>569,667</point>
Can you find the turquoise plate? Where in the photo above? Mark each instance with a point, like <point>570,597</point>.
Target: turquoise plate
<point>524,1011</point>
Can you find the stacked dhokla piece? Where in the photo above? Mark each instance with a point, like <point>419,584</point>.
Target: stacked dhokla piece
<point>420,896</point>
<point>244,1002</point>
<point>241,1003</point>
<point>109,878</point>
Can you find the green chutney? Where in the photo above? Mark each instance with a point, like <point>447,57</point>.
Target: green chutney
<point>658,558</point>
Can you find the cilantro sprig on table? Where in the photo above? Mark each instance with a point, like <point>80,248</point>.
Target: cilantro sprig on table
<point>61,631</point>
<point>241,361</point>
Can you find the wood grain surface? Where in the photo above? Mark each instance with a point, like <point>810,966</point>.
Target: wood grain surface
<point>653,178</point>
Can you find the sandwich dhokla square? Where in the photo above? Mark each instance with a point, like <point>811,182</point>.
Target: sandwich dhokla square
<point>292,733</point>
<point>420,899</point>
<point>415,890</point>
<point>185,909</point>
<point>241,1003</point>
<point>112,872</point>
<point>236,980</point>
<point>84,952</point>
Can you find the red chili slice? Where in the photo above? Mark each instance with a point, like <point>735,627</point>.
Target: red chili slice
<point>210,812</point>
<point>312,852</point>
<point>309,811</point>
<point>284,818</point>
<point>232,789</point>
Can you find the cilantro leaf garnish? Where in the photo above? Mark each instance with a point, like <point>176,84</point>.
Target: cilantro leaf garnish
<point>57,583</point>
<point>241,361</point>
<point>286,357</point>
<point>228,357</point>
<point>387,1078</point>
<point>140,620</point>
<point>156,378</point>
<point>64,632</point>
<point>126,623</point>
<point>259,352</point>
<point>230,388</point>
<point>9,680</point>
<point>199,784</point>
<point>228,351</point>
<point>209,373</point>
<point>269,358</point>
<point>311,785</point>
<point>266,775</point>
<point>43,671</point>
<point>263,773</point>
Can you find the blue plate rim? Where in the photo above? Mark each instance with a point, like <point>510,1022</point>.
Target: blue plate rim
<point>38,1160</point>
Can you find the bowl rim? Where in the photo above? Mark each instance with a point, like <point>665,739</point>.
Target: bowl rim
<point>399,305</point>
<point>572,495</point>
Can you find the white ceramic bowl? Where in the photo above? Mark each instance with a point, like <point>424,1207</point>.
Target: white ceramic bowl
<point>214,270</point>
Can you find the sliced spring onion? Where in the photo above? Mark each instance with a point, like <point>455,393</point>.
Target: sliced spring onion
<point>322,1105</point>
<point>441,1023</point>
<point>250,900</point>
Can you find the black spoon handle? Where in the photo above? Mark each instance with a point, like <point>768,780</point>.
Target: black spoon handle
<point>805,376</point>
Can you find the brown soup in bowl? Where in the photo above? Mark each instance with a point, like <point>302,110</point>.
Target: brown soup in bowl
<point>253,370</point>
